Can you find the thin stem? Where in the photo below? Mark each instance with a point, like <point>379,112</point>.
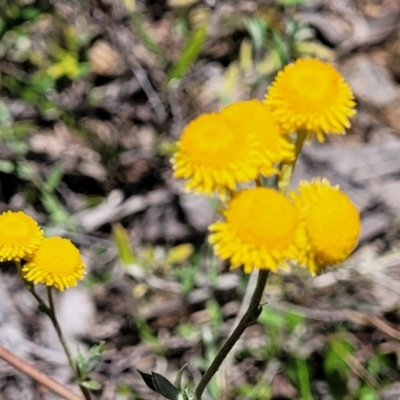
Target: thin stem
<point>249,317</point>
<point>53,317</point>
<point>50,311</point>
<point>37,375</point>
<point>288,167</point>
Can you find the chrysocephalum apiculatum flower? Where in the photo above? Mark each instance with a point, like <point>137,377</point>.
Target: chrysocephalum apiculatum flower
<point>219,150</point>
<point>260,230</point>
<point>213,155</point>
<point>331,223</point>
<point>311,96</point>
<point>256,120</point>
<point>20,235</point>
<point>57,262</point>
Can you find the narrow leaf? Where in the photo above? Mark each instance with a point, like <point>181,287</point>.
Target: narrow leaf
<point>92,385</point>
<point>189,54</point>
<point>165,387</point>
<point>178,378</point>
<point>148,380</point>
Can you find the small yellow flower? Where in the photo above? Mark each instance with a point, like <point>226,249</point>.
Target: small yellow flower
<point>331,223</point>
<point>57,262</point>
<point>312,96</point>
<point>256,119</point>
<point>260,230</point>
<point>20,235</point>
<point>213,155</point>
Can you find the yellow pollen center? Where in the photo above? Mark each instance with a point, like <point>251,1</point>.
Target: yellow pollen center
<point>263,217</point>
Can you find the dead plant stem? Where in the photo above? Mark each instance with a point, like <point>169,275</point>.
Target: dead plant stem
<point>37,375</point>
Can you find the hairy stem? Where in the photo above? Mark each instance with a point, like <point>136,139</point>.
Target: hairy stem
<point>249,317</point>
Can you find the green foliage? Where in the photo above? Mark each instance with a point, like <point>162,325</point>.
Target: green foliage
<point>254,392</point>
<point>58,58</point>
<point>187,277</point>
<point>88,363</point>
<point>161,385</point>
<point>189,54</point>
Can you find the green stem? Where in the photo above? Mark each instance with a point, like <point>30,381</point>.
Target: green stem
<point>54,320</point>
<point>249,317</point>
<point>52,315</point>
<point>301,137</point>
<point>288,168</point>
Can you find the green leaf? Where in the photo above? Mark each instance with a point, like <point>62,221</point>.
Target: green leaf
<point>337,353</point>
<point>257,28</point>
<point>123,244</point>
<point>81,362</point>
<point>189,54</point>
<point>272,318</point>
<point>178,378</point>
<point>304,379</point>
<point>161,385</point>
<point>148,380</point>
<point>54,178</point>
<point>94,356</point>
<point>89,362</point>
<point>165,387</point>
<point>92,385</point>
<point>6,167</point>
<point>54,208</point>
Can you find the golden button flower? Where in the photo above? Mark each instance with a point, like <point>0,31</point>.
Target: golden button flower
<point>260,230</point>
<point>331,223</point>
<point>57,262</point>
<point>312,96</point>
<point>256,120</point>
<point>20,236</point>
<point>213,155</point>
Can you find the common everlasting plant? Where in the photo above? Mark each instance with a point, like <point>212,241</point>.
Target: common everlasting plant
<point>262,227</point>
<point>52,261</point>
<point>265,228</point>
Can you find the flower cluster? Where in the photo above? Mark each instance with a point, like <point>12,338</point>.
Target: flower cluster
<point>228,152</point>
<point>53,261</point>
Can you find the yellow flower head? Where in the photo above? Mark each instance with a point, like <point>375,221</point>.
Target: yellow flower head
<point>20,235</point>
<point>256,120</point>
<point>57,262</point>
<point>219,150</point>
<point>260,230</point>
<point>331,223</point>
<point>311,95</point>
<point>213,155</point>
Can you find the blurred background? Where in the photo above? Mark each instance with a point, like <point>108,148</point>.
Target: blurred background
<point>94,95</point>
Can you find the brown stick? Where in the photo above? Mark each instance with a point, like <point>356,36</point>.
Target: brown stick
<point>38,376</point>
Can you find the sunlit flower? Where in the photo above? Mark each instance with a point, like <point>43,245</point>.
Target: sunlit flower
<point>259,231</point>
<point>219,150</point>
<point>311,96</point>
<point>213,155</point>
<point>331,223</point>
<point>256,119</point>
<point>20,235</point>
<point>57,262</point>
